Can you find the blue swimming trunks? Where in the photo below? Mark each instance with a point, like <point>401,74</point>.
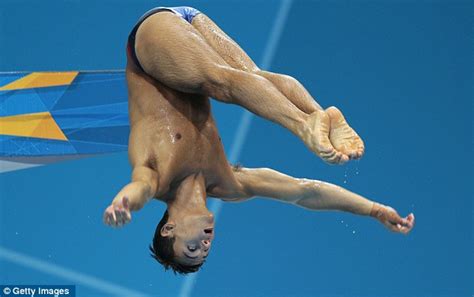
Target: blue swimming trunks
<point>186,12</point>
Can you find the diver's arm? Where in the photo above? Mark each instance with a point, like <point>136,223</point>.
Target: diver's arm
<point>132,197</point>
<point>311,194</point>
<point>316,195</point>
<point>143,187</point>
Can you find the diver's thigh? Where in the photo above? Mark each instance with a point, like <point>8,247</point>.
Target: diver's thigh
<point>171,50</point>
<point>225,46</point>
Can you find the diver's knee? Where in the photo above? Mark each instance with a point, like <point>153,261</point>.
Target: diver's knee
<point>217,82</point>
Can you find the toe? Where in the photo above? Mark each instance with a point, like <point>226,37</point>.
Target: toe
<point>334,158</point>
<point>333,112</point>
<point>353,155</point>
<point>344,159</point>
<point>358,154</point>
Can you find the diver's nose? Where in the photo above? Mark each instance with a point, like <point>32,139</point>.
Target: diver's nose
<point>206,243</point>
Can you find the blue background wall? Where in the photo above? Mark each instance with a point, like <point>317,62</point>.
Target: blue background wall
<point>402,72</point>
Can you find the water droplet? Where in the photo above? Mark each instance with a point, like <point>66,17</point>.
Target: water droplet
<point>353,232</point>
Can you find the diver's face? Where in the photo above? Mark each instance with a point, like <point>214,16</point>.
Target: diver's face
<point>193,239</point>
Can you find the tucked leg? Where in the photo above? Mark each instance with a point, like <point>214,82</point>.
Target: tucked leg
<point>291,88</point>
<point>237,58</point>
<point>175,53</point>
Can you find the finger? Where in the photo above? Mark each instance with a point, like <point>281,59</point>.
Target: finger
<point>112,218</point>
<point>395,227</point>
<point>118,214</point>
<point>391,227</point>
<point>104,217</point>
<point>411,219</point>
<point>109,219</point>
<point>408,221</point>
<point>404,222</point>
<point>401,229</point>
<point>126,220</point>
<point>123,216</point>
<point>128,216</point>
<point>405,230</point>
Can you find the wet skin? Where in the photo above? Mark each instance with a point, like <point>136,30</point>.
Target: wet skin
<point>174,146</point>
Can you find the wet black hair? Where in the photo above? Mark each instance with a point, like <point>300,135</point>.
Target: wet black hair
<point>163,252</point>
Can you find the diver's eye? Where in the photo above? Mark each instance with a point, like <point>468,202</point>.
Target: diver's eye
<point>192,248</point>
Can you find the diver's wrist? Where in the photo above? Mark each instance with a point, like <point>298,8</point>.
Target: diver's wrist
<point>375,211</point>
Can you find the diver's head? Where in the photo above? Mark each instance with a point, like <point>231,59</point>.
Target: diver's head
<point>183,243</point>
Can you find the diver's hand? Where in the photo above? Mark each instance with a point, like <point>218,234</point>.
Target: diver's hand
<point>118,213</point>
<point>391,219</point>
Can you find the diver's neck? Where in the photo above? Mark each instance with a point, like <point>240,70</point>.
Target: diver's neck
<point>190,197</point>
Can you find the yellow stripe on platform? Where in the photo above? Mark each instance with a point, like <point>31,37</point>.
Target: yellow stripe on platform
<point>37,125</point>
<point>41,80</point>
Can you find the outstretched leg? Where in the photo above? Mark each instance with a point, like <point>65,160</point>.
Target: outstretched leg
<point>291,88</point>
<point>175,53</point>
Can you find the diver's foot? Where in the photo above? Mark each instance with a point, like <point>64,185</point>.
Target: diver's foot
<point>315,134</point>
<point>391,219</point>
<point>342,136</point>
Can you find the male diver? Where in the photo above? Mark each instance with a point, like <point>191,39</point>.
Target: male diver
<point>177,58</point>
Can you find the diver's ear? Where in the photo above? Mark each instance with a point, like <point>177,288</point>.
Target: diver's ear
<point>167,229</point>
